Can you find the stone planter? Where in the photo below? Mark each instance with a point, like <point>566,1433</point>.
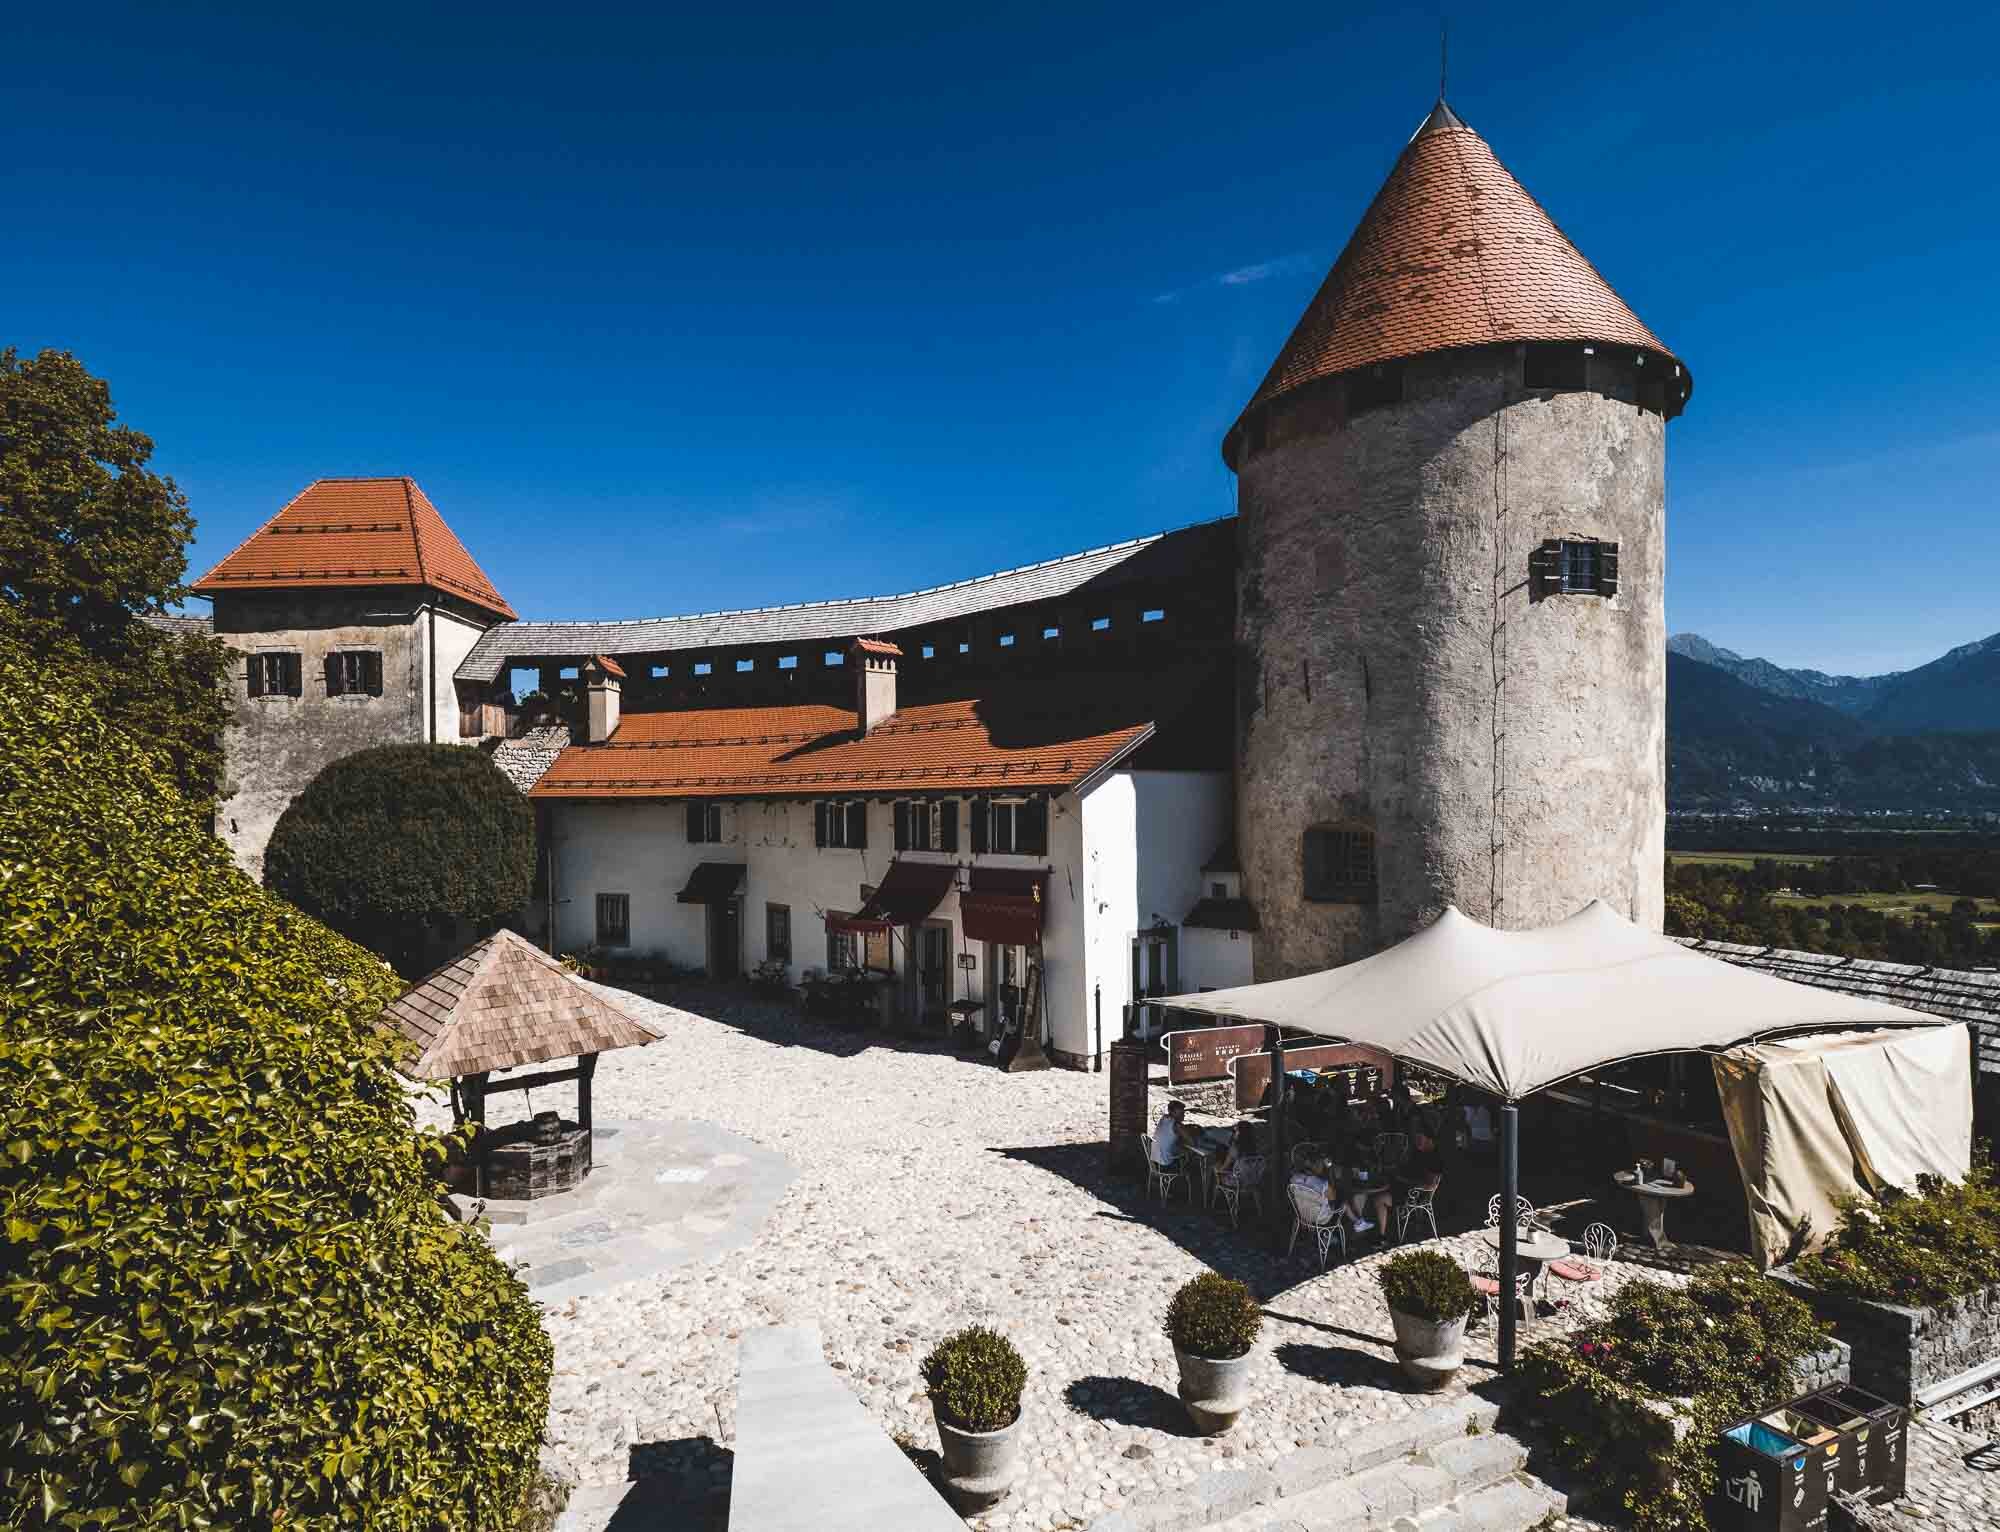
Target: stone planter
<point>979,1466</point>
<point>1215,1389</point>
<point>1430,1350</point>
<point>1900,1351</point>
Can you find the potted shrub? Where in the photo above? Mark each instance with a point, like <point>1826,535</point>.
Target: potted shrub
<point>1213,1323</point>
<point>975,1378</point>
<point>1430,1298</point>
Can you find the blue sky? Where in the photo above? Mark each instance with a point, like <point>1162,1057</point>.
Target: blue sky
<point>672,308</point>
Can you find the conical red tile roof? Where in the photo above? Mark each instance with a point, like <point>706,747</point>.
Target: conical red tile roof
<point>356,532</point>
<point>1452,252</point>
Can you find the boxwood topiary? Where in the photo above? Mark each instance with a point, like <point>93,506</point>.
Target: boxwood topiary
<point>975,1378</point>
<point>1428,1285</point>
<point>1214,1317</point>
<point>229,1295</point>
<point>386,842</point>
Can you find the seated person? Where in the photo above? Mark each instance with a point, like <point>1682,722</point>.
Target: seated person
<point>1242,1146</point>
<point>1169,1134</point>
<point>1315,1194</point>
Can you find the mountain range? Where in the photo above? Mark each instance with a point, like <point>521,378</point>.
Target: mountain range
<point>1748,734</point>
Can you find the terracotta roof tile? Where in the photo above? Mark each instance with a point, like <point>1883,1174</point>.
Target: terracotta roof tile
<point>878,646</point>
<point>811,750</point>
<point>608,665</point>
<point>343,532</point>
<point>1452,252</point>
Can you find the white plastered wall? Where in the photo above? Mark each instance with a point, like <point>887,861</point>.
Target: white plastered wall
<point>452,638</point>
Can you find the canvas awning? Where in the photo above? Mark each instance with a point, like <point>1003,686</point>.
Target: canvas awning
<point>713,883</point>
<point>1514,1011</point>
<point>907,894</point>
<point>1004,905</point>
<point>503,1002</point>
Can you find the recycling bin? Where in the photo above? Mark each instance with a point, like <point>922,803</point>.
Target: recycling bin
<point>1768,1480</point>
<point>1874,1437</point>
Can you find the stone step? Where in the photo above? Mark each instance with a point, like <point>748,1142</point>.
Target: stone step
<point>1401,1489</point>
<point>1513,1505</point>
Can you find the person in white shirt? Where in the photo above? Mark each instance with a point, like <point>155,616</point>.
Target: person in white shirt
<point>1167,1134</point>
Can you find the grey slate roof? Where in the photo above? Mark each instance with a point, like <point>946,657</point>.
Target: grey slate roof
<point>1956,994</point>
<point>174,622</point>
<point>524,760</point>
<point>1164,555</point>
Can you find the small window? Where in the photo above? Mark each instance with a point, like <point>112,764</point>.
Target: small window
<point>1553,368</point>
<point>1372,388</point>
<point>788,662</point>
<point>703,668</point>
<point>929,651</point>
<point>1049,633</point>
<point>567,673</point>
<point>1218,890</point>
<point>743,665</point>
<point>927,826</point>
<point>275,673</point>
<point>841,952</point>
<point>834,657</point>
<point>1574,567</point>
<point>614,920</point>
<point>964,648</point>
<point>354,673</point>
<point>841,826</point>
<point>704,822</point>
<point>1018,827</point>
<point>1153,614</point>
<point>778,933</point>
<point>1340,864</point>
<point>1006,640</point>
<point>1100,624</point>
<point>661,672</point>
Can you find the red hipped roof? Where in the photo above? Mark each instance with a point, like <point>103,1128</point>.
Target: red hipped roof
<point>350,532</point>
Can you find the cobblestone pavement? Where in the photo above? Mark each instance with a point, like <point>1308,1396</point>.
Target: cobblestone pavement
<point>934,1191</point>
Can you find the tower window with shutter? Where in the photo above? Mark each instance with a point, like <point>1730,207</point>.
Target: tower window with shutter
<point>275,673</point>
<point>354,673</point>
<point>1573,567</point>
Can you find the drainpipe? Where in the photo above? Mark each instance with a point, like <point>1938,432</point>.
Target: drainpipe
<point>1097,1053</point>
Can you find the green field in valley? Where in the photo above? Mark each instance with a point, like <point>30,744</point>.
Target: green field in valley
<point>1742,858</point>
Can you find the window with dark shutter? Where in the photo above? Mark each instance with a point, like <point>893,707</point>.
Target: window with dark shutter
<point>336,675</point>
<point>697,821</point>
<point>1607,569</point>
<point>976,809</point>
<point>1573,567</point>
<point>254,676</point>
<point>948,825</point>
<point>903,826</point>
<point>1031,828</point>
<point>857,826</point>
<point>819,824</point>
<point>371,671</point>
<point>294,676</point>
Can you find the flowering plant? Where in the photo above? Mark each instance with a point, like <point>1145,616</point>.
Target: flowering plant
<point>1923,1247</point>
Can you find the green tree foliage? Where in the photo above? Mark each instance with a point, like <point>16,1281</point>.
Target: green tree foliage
<point>229,1295</point>
<point>91,543</point>
<point>384,843</point>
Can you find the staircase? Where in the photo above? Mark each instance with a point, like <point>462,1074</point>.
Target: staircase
<point>1442,1469</point>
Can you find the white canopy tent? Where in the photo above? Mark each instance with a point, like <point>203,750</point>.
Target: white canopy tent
<point>1512,1012</point>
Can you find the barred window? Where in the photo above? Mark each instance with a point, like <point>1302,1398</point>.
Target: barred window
<point>1339,864</point>
<point>614,920</point>
<point>1564,566</point>
<point>778,933</point>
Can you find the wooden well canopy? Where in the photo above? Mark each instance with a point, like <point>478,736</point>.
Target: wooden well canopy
<point>501,1003</point>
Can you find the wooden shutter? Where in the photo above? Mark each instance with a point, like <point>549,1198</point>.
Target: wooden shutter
<point>857,825</point>
<point>903,826</point>
<point>819,824</point>
<point>254,676</point>
<point>1031,827</point>
<point>294,676</point>
<point>948,825</point>
<point>697,821</point>
<point>1607,569</point>
<point>1545,569</point>
<point>371,672</point>
<point>977,808</point>
<point>333,676</point>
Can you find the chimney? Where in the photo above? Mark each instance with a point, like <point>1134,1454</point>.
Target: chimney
<point>601,679</point>
<point>874,662</point>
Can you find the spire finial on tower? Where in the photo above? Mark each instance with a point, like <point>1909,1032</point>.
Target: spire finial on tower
<point>1444,53</point>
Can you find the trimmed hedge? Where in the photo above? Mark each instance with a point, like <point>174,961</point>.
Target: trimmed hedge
<point>1213,1316</point>
<point>386,842</point>
<point>975,1378</point>
<point>229,1295</point>
<point>1635,1401</point>
<point>1429,1285</point>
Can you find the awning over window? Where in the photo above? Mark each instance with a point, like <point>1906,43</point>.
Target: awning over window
<point>859,925</point>
<point>909,891</point>
<point>1005,906</point>
<point>713,883</point>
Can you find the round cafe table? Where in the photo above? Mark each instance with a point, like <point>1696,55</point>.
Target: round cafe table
<point>1653,1199</point>
<point>1537,1247</point>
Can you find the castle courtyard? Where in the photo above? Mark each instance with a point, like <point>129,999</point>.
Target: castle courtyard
<point>929,1191</point>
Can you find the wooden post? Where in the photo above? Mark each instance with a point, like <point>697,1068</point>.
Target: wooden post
<point>586,1066</point>
<point>473,1089</point>
<point>1278,1172</point>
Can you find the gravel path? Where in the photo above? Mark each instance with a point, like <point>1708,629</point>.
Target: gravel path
<point>934,1191</point>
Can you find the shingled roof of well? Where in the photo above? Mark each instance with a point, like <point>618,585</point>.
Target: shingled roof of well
<point>349,532</point>
<point>1140,562</point>
<point>503,1002</point>
<point>1452,252</point>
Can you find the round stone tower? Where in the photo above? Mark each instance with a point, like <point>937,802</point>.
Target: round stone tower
<point>1452,508</point>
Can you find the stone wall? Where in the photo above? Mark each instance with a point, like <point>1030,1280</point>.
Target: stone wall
<point>1898,1351</point>
<point>1396,671</point>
